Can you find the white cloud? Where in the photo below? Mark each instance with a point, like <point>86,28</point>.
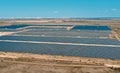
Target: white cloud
<point>109,11</point>
<point>114,9</point>
<point>55,12</point>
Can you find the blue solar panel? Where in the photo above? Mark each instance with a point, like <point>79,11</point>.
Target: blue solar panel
<point>8,30</point>
<point>82,27</point>
<point>63,40</point>
<point>67,33</point>
<point>13,26</point>
<point>65,50</point>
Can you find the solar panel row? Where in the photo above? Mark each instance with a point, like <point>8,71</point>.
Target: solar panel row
<point>68,50</point>
<point>63,40</point>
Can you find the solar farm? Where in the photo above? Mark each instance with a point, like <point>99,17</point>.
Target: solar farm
<point>60,39</point>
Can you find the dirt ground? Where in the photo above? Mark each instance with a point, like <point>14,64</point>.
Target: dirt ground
<point>34,63</point>
<point>10,67</point>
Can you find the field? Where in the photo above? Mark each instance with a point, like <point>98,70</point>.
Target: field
<point>41,62</point>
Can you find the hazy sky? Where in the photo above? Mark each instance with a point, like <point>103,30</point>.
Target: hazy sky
<point>59,8</point>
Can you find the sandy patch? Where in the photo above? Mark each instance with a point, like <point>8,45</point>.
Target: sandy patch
<point>5,33</point>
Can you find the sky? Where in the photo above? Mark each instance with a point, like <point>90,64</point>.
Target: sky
<point>59,8</point>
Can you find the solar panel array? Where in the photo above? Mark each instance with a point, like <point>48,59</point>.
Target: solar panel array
<point>85,41</point>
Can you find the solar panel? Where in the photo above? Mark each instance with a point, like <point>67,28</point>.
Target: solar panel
<point>88,27</point>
